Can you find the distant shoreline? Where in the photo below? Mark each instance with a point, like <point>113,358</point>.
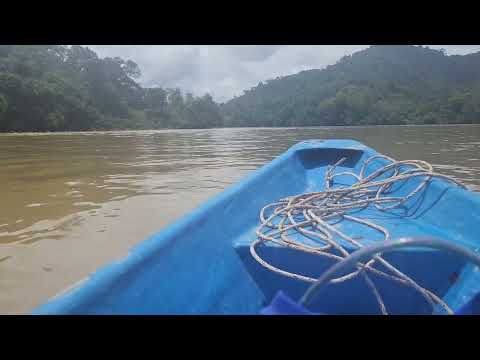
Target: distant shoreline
<point>229,128</point>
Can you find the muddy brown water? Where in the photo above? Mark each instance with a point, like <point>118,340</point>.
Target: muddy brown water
<point>71,202</point>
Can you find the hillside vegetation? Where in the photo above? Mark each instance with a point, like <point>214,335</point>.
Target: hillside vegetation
<point>70,88</point>
<point>58,88</point>
<point>379,85</point>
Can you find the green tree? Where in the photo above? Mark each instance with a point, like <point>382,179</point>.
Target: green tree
<point>3,106</point>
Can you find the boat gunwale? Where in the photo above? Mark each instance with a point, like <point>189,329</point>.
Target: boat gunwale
<point>98,282</point>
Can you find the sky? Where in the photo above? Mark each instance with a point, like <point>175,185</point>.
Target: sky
<point>225,71</point>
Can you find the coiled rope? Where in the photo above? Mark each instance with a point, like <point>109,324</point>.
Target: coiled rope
<point>310,217</point>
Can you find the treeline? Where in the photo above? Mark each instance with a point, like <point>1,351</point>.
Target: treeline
<point>379,85</point>
<point>60,88</point>
<point>70,88</point>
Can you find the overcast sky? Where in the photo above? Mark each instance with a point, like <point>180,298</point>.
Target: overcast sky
<point>225,71</point>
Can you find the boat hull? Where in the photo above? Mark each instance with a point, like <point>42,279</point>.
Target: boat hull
<point>201,264</point>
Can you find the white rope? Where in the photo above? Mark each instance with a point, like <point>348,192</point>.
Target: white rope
<point>310,215</point>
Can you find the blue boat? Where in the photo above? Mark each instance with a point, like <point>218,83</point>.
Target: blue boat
<point>203,264</point>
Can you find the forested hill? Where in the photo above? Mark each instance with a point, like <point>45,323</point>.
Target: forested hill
<point>70,88</point>
<point>379,85</point>
<point>59,88</point>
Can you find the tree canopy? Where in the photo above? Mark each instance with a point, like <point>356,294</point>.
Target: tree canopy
<point>380,85</point>
<point>58,88</point>
<point>70,88</point>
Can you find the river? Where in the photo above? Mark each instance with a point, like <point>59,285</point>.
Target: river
<point>72,201</point>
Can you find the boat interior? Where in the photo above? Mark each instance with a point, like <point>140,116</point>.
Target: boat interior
<point>202,264</point>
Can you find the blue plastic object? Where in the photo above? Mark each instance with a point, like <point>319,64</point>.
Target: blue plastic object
<point>470,308</point>
<point>283,305</point>
<point>201,264</point>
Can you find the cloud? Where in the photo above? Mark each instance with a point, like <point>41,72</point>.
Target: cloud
<point>226,70</point>
<point>253,53</point>
<point>457,49</point>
